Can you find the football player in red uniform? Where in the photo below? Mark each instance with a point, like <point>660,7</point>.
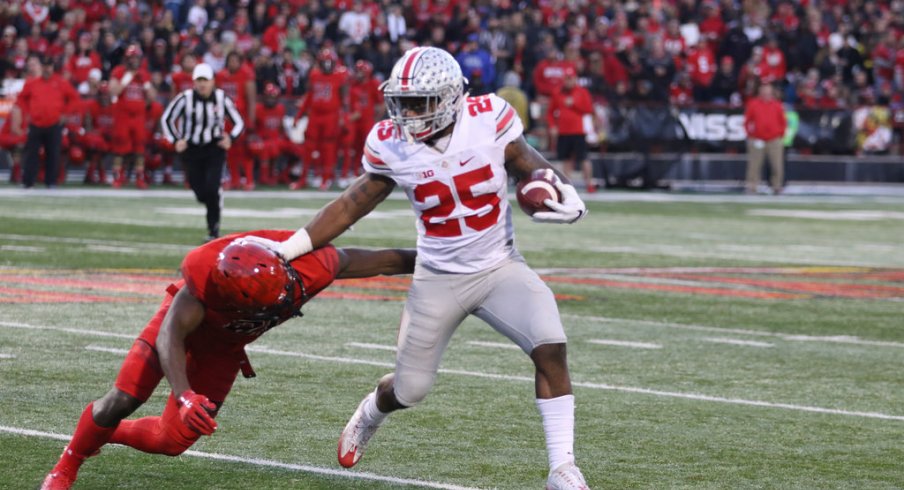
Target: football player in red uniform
<point>325,98</point>
<point>225,300</point>
<point>73,136</point>
<point>364,98</point>
<point>238,81</point>
<point>128,83</point>
<point>269,141</point>
<point>159,152</point>
<point>98,134</point>
<point>12,139</point>
<point>182,79</point>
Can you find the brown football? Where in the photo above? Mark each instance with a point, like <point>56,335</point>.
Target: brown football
<point>532,191</point>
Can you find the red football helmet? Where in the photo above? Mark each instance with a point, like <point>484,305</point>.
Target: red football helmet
<point>76,155</point>
<point>256,282</point>
<point>364,68</point>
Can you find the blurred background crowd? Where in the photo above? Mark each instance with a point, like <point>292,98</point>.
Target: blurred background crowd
<point>820,54</point>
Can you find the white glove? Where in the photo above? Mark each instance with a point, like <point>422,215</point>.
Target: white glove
<point>570,210</point>
<point>271,244</point>
<point>296,246</point>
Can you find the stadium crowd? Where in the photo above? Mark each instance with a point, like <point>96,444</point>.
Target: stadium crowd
<point>823,54</point>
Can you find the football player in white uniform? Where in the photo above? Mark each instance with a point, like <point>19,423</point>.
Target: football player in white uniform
<point>452,154</point>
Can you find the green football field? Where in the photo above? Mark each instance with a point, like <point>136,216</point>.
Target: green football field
<point>715,341</point>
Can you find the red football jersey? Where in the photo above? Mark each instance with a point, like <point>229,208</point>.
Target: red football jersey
<point>234,85</point>
<point>270,121</point>
<point>364,96</point>
<point>316,270</point>
<point>154,111</point>
<point>182,81</point>
<point>79,65</point>
<point>131,101</point>
<point>102,118</point>
<point>324,95</point>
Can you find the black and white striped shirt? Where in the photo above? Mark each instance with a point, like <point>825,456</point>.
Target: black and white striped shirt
<point>200,121</point>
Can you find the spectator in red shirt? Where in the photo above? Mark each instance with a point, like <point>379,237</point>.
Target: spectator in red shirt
<point>79,66</point>
<point>567,109</point>
<point>45,99</point>
<point>764,120</point>
<point>181,80</point>
<point>702,66</point>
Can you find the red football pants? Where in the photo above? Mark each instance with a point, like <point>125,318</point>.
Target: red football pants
<point>322,137</point>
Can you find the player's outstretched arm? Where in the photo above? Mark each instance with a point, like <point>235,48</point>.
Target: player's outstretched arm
<point>184,316</point>
<point>521,159</point>
<point>337,216</point>
<point>358,262</point>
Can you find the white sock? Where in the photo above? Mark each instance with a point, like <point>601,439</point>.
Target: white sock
<point>558,424</point>
<point>372,412</point>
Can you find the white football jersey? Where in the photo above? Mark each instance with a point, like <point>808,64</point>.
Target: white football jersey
<point>464,220</point>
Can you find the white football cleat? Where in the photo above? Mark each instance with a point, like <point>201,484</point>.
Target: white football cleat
<point>354,437</point>
<point>566,477</point>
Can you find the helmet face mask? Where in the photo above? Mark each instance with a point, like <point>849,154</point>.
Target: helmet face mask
<point>424,93</point>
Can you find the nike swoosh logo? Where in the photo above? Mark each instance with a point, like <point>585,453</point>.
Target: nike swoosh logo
<point>465,162</point>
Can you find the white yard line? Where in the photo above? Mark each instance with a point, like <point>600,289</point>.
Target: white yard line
<point>749,343</point>
<point>596,386</point>
<point>494,345</point>
<point>7,356</point>
<point>834,339</point>
<point>362,345</point>
<point>530,379</point>
<point>80,331</point>
<point>317,470</point>
<point>625,343</point>
<point>103,243</point>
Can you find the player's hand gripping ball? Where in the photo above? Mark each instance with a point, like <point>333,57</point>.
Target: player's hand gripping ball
<point>538,187</point>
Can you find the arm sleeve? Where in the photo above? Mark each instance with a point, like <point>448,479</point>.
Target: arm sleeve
<point>317,269</point>
<point>233,114</point>
<point>173,112</point>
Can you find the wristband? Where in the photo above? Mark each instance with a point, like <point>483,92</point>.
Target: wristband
<point>185,398</point>
<point>296,246</point>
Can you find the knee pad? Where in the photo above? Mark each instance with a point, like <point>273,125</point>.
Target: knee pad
<point>411,388</point>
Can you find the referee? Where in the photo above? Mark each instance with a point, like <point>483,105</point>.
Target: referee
<point>195,122</point>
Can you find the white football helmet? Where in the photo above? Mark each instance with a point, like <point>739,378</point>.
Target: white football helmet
<point>424,92</point>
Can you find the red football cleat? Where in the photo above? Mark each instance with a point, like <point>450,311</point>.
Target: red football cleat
<point>57,480</point>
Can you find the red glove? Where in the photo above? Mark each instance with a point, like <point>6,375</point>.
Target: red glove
<point>195,410</point>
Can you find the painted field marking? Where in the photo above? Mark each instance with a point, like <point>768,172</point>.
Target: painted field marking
<point>495,345</point>
<point>317,470</point>
<point>834,215</point>
<point>80,331</point>
<point>21,248</point>
<point>834,339</point>
<point>87,241</point>
<point>7,356</point>
<point>749,343</point>
<point>363,345</point>
<point>625,343</point>
<point>596,386</point>
<point>108,248</point>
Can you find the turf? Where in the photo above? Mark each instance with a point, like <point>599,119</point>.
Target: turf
<point>714,342</point>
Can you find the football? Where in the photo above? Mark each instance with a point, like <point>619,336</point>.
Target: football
<point>532,191</point>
